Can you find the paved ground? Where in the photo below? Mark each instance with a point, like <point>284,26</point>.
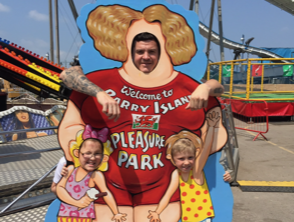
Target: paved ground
<point>260,160</point>
<point>21,168</point>
<point>32,215</point>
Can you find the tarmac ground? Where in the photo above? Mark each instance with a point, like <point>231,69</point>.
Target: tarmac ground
<point>262,160</point>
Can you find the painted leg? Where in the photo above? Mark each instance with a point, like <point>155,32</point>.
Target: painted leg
<point>104,214</point>
<point>172,213</point>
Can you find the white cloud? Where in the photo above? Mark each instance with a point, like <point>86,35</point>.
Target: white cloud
<point>4,8</point>
<point>38,16</point>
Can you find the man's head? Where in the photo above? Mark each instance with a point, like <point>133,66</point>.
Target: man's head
<point>145,52</point>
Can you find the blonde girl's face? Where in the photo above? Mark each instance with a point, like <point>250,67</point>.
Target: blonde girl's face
<point>184,161</point>
<point>90,155</point>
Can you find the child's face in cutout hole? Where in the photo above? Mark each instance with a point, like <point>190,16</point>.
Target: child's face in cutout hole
<point>90,155</point>
<point>184,161</point>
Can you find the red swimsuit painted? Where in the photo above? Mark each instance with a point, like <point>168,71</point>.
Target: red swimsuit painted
<point>138,168</point>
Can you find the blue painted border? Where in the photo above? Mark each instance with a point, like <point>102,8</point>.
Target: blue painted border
<point>92,60</point>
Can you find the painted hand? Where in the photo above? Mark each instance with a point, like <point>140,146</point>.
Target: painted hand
<point>119,217</point>
<point>153,216</point>
<point>213,119</point>
<point>199,98</point>
<point>110,106</point>
<point>84,202</point>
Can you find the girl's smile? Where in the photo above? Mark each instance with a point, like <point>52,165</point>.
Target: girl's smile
<point>91,155</point>
<point>184,161</point>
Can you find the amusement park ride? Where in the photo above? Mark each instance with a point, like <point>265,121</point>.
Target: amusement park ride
<point>41,77</point>
<point>30,71</point>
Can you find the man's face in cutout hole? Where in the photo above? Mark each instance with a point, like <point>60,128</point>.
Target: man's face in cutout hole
<point>145,53</point>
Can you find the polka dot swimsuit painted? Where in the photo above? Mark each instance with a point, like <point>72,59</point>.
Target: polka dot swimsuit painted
<point>195,200</point>
<point>77,190</point>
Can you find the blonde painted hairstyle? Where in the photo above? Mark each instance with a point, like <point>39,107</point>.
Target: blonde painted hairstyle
<point>108,26</point>
<point>182,142</point>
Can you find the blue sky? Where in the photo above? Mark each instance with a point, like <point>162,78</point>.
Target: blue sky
<point>26,23</point>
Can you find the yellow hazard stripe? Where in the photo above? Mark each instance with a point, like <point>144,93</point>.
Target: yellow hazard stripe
<point>267,183</point>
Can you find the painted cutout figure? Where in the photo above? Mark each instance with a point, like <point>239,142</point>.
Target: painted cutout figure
<point>187,152</point>
<point>75,188</point>
<point>154,100</point>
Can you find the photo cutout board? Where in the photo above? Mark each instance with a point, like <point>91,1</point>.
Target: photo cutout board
<point>148,56</point>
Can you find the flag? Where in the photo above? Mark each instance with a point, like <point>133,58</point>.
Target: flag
<point>256,70</point>
<point>287,70</point>
<point>226,71</point>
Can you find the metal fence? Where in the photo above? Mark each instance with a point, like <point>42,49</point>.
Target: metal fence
<point>230,153</point>
<point>255,78</point>
<point>25,204</point>
<point>249,117</point>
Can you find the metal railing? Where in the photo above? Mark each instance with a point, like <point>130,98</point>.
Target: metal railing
<point>252,84</point>
<point>28,130</point>
<point>28,152</point>
<point>3,140</point>
<point>5,210</point>
<point>230,153</point>
<point>27,190</point>
<point>249,118</point>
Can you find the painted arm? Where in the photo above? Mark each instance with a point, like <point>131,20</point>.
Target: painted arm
<point>75,79</point>
<point>199,98</point>
<point>173,186</point>
<point>99,180</point>
<point>220,133</point>
<point>64,196</point>
<point>212,119</point>
<point>69,126</point>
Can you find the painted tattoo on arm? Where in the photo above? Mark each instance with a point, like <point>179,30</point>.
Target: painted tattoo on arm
<point>75,79</point>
